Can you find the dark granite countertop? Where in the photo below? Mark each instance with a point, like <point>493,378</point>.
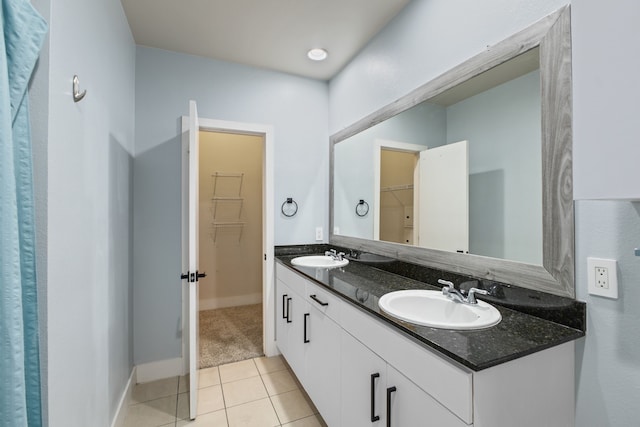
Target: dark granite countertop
<point>362,284</point>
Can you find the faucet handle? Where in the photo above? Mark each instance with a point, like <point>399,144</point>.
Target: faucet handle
<point>446,283</point>
<point>448,286</point>
<point>471,296</point>
<point>341,255</point>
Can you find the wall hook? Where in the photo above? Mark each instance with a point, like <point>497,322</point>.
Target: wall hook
<point>77,96</point>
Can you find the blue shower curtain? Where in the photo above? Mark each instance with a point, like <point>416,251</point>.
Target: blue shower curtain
<point>22,32</point>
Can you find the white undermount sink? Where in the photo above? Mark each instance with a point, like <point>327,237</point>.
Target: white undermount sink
<point>432,308</point>
<point>319,261</point>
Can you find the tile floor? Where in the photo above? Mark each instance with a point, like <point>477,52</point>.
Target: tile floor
<point>261,392</point>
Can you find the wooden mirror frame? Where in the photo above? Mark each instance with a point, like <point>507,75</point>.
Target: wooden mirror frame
<point>556,275</point>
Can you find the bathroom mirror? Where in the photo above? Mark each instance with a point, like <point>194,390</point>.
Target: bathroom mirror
<point>506,113</point>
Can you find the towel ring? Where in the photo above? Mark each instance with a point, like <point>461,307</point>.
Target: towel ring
<point>362,208</point>
<point>288,202</point>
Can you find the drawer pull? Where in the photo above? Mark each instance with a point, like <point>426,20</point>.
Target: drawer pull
<point>288,311</point>
<point>306,316</point>
<point>374,417</point>
<point>389,391</point>
<point>315,298</point>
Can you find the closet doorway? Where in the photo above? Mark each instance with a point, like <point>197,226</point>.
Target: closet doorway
<point>235,239</point>
<point>230,247</point>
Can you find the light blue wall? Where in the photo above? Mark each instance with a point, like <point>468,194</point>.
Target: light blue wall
<point>608,359</point>
<point>165,82</point>
<point>605,116</point>
<point>84,161</point>
<point>430,37</point>
<point>605,37</point>
<point>502,126</point>
<point>423,41</point>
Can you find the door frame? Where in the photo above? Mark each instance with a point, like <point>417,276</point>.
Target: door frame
<point>268,288</point>
<point>378,146</point>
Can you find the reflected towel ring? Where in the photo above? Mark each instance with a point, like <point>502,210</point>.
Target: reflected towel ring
<point>362,208</point>
<point>288,202</point>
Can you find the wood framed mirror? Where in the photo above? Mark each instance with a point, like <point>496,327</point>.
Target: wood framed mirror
<point>541,53</point>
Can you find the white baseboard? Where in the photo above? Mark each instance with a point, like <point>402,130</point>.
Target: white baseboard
<point>159,370</point>
<point>125,401</point>
<point>213,303</point>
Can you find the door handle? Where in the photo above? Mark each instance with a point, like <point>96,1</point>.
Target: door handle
<point>199,275</point>
<point>288,310</point>
<point>374,417</point>
<point>306,339</point>
<point>284,306</point>
<point>184,276</point>
<point>389,391</point>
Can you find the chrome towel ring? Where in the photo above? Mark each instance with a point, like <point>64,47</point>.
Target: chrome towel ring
<point>362,208</point>
<point>289,208</point>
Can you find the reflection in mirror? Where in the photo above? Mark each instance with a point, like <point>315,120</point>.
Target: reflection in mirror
<point>497,204</point>
<point>511,105</point>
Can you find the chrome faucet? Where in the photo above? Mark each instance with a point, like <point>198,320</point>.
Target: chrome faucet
<point>452,293</point>
<point>338,256</point>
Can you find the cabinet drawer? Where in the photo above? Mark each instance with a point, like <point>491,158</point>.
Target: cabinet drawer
<point>305,288</point>
<point>324,301</point>
<point>449,384</point>
<point>291,279</point>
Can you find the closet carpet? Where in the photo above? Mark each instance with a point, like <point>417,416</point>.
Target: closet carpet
<point>230,335</point>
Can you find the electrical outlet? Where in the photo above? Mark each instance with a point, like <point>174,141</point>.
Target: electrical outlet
<point>602,277</point>
<point>318,233</point>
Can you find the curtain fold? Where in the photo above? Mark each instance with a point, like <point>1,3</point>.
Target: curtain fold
<point>22,31</point>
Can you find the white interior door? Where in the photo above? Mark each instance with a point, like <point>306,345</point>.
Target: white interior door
<point>444,198</point>
<point>194,130</point>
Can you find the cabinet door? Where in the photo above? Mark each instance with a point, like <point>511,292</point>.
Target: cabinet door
<point>323,364</point>
<point>408,405</point>
<point>296,347</point>
<point>363,383</point>
<point>290,309</point>
<point>282,327</point>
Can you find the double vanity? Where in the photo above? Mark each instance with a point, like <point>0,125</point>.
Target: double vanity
<point>342,332</point>
<point>383,335</point>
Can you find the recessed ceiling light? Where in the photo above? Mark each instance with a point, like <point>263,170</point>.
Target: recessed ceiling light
<point>317,54</point>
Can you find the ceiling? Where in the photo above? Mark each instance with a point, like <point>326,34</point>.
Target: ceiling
<point>272,34</point>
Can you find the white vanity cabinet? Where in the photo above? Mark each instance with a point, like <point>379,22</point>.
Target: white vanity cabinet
<point>291,307</point>
<point>323,363</point>
<point>379,395</point>
<point>353,362</point>
<point>309,339</point>
<point>364,376</point>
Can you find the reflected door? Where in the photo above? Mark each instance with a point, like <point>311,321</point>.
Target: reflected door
<point>444,198</point>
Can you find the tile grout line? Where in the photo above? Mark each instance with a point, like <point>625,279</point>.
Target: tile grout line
<point>175,422</point>
<point>226,414</point>
<point>268,395</point>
